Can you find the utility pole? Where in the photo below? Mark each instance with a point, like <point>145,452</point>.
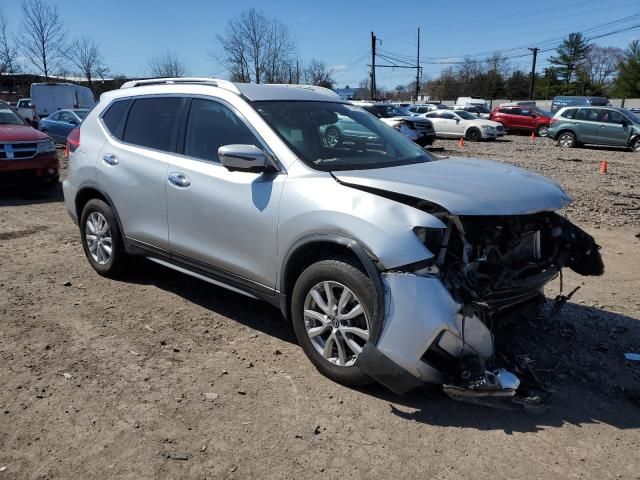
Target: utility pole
<point>373,66</point>
<point>533,71</point>
<point>418,68</point>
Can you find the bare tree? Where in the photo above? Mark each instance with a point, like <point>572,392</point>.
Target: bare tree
<point>600,65</point>
<point>44,36</point>
<point>85,55</point>
<point>317,73</point>
<point>167,64</point>
<point>8,53</point>
<point>256,49</point>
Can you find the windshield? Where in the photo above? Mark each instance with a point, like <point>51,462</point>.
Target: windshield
<point>9,117</point>
<point>632,116</point>
<point>336,136</point>
<point>466,115</point>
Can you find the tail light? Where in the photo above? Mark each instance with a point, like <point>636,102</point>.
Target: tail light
<point>73,141</point>
<point>553,120</point>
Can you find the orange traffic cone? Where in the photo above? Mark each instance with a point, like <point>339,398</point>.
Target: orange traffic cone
<point>603,167</point>
<point>461,142</point>
<point>533,135</point>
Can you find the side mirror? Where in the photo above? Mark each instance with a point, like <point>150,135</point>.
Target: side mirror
<point>243,157</point>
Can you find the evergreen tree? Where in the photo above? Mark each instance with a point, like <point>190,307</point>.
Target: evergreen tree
<point>628,81</point>
<point>571,55</point>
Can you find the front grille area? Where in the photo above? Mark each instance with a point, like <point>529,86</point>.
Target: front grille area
<point>423,127</point>
<point>12,151</point>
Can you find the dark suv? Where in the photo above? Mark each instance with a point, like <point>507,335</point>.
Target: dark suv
<point>522,118</point>
<point>612,126</point>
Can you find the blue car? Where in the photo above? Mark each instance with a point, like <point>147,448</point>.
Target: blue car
<point>58,125</point>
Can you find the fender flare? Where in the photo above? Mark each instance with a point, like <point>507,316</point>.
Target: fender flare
<point>107,197</point>
<point>365,257</point>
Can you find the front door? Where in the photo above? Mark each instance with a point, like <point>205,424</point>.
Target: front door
<point>221,221</point>
<point>615,129</point>
<point>587,125</point>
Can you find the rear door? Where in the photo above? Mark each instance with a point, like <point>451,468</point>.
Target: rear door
<point>615,128</point>
<point>587,125</point>
<point>134,162</point>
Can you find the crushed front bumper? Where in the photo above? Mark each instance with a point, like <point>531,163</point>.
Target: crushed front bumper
<point>423,326</point>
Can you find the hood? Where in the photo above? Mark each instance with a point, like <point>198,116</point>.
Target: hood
<point>20,133</point>
<point>465,186</point>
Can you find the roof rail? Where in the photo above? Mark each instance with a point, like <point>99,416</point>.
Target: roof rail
<point>314,88</point>
<point>214,82</point>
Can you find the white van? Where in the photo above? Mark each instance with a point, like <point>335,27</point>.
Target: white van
<point>472,102</point>
<point>48,98</point>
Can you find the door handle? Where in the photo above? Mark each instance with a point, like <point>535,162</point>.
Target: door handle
<point>110,158</point>
<point>179,180</point>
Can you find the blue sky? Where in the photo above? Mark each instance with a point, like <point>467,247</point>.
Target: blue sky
<point>338,32</point>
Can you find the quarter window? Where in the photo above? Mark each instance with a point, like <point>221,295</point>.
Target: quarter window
<point>153,122</point>
<point>112,116</point>
<point>212,125</point>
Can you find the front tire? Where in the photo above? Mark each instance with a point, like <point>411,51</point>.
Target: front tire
<point>474,135</point>
<point>101,239</point>
<point>542,131</point>
<point>635,145</point>
<point>332,312</point>
<point>567,140</point>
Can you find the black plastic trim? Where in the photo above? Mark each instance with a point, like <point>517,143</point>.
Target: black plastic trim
<point>385,371</point>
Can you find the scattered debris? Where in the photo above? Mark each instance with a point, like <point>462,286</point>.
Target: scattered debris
<point>211,396</point>
<point>3,468</point>
<point>233,468</point>
<point>133,353</point>
<point>634,357</point>
<point>204,447</point>
<point>178,455</point>
<point>316,430</point>
<point>149,328</point>
<point>242,392</point>
<point>67,375</point>
<point>66,284</point>
<point>277,352</point>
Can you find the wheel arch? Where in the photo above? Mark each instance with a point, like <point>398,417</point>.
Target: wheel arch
<point>313,248</point>
<point>90,192</point>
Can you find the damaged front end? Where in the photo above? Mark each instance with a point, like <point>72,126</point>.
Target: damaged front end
<point>440,314</point>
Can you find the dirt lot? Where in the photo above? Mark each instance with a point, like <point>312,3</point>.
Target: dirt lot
<point>164,376</point>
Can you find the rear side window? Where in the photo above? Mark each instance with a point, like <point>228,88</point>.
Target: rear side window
<point>212,125</point>
<point>112,116</point>
<point>153,122</point>
<point>569,113</point>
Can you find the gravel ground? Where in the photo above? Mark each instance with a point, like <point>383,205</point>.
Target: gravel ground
<point>612,199</point>
<point>159,375</point>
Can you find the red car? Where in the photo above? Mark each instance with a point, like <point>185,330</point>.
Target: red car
<point>27,156</point>
<point>522,118</point>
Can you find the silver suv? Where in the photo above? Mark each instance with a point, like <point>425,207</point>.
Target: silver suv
<point>392,265</point>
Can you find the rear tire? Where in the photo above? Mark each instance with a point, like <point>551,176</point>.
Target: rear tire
<point>331,342</point>
<point>101,239</point>
<point>567,140</point>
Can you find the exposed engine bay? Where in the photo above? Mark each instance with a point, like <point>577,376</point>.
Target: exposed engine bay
<point>496,268</point>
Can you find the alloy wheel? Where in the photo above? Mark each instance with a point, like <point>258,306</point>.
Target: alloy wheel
<point>566,140</point>
<point>336,322</point>
<point>543,130</point>
<point>98,238</point>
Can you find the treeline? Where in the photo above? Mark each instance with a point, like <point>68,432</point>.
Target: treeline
<point>253,48</point>
<point>577,68</point>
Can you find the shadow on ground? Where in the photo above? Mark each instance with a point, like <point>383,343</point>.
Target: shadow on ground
<point>13,196</point>
<point>579,354</point>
